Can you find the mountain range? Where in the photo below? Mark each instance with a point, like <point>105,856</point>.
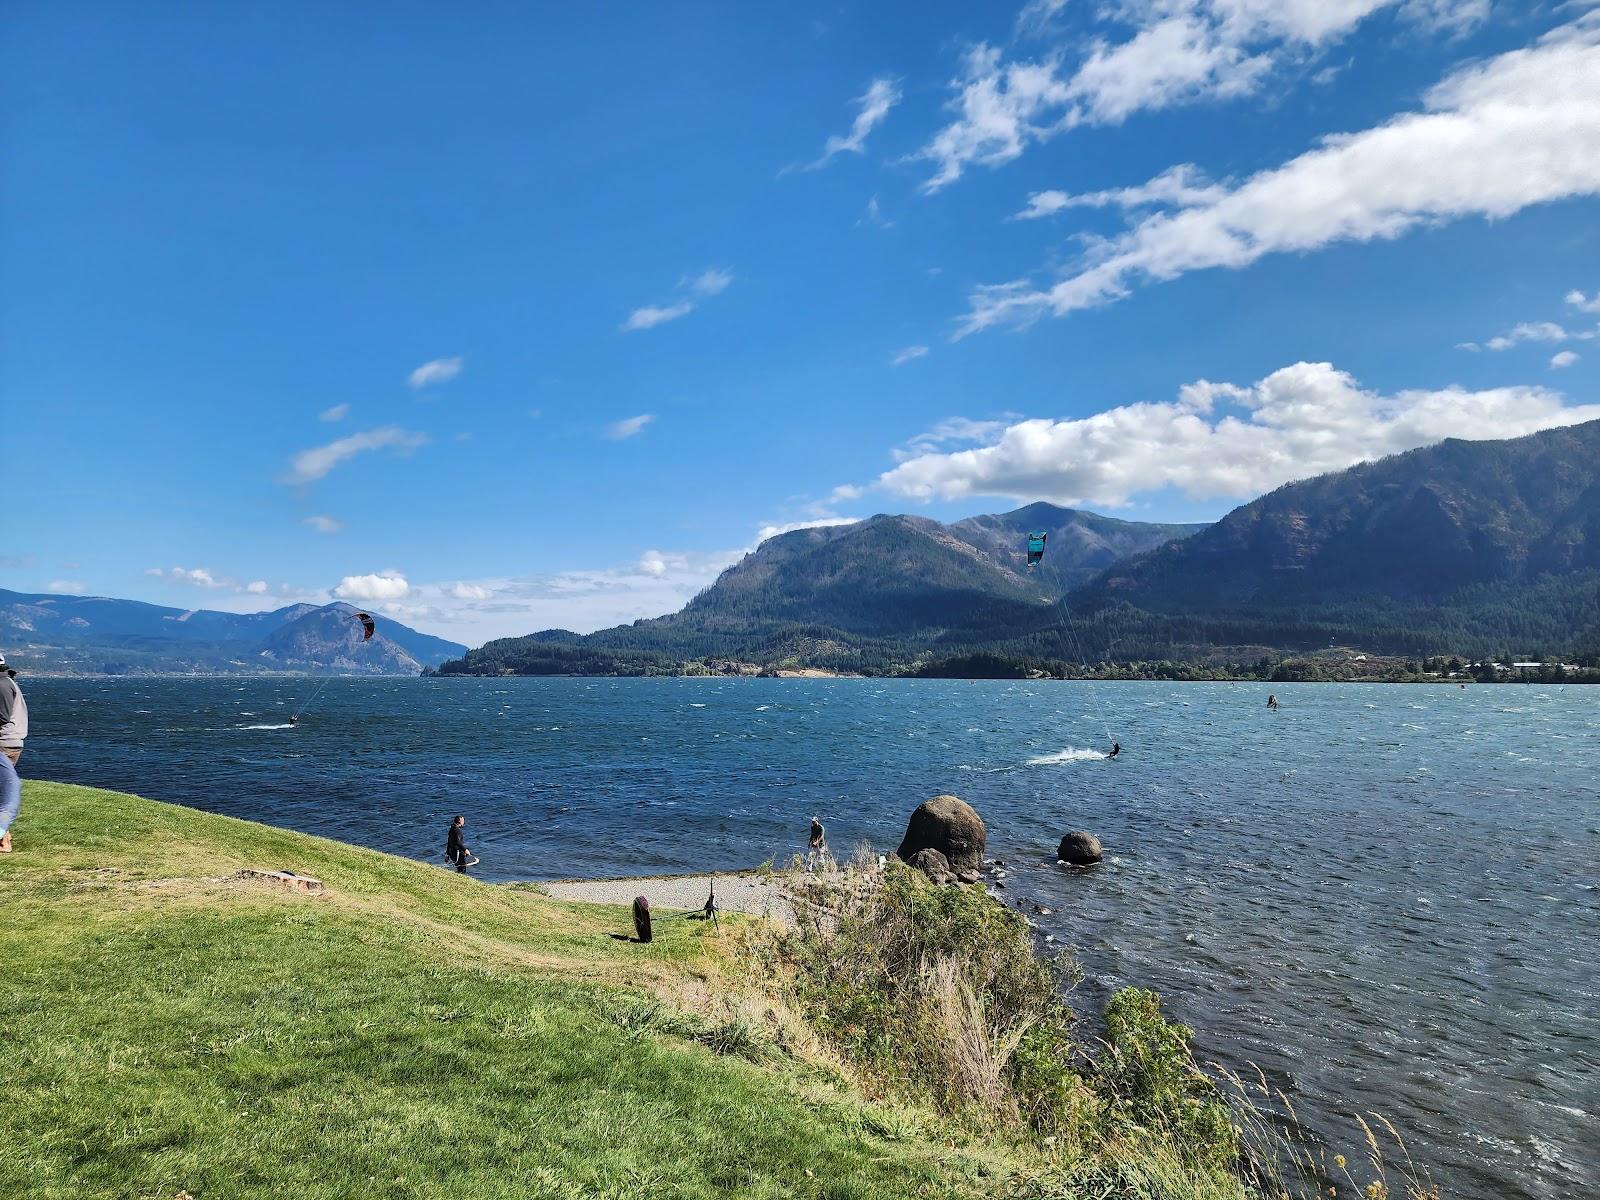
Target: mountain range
<point>99,635</point>
<point>1463,547</point>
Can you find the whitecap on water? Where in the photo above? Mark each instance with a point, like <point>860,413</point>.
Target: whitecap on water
<point>697,706</point>
<point>285,725</point>
<point>1070,754</point>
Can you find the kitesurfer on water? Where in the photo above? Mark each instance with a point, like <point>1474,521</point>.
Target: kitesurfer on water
<point>1116,749</point>
<point>1272,703</point>
<point>455,847</point>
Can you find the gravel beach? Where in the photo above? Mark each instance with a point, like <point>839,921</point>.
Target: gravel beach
<point>670,893</point>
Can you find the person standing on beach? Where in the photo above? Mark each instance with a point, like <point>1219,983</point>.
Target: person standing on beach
<point>455,846</point>
<point>13,732</point>
<point>817,844</point>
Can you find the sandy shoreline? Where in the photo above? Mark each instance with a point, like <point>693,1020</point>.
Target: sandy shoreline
<point>750,893</point>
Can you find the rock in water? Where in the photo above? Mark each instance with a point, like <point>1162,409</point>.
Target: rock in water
<point>641,918</point>
<point>1080,849</point>
<point>953,828</point>
<point>932,864</point>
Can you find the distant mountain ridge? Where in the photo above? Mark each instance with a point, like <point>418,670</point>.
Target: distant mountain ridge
<point>101,635</point>
<point>1490,543</point>
<point>867,594</point>
<point>1464,547</point>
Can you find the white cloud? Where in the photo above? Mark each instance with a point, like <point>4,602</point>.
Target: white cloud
<point>630,427</point>
<point>311,465</point>
<point>582,600</point>
<point>1529,331</point>
<point>650,315</point>
<point>874,216</point>
<point>1588,304</point>
<point>1000,108</point>
<point>1165,53</point>
<point>871,108</point>
<point>906,355</point>
<point>386,585</point>
<point>952,431</point>
<point>772,531</point>
<point>1221,441</point>
<point>1516,130</point>
<point>197,576</point>
<point>70,587</point>
<point>324,524</point>
<point>337,413</point>
<point>439,370</point>
<point>202,577</point>
<point>1038,15</point>
<point>1183,186</point>
<point>710,282</point>
<point>1563,358</point>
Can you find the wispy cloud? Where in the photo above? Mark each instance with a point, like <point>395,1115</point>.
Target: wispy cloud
<point>1530,331</point>
<point>1588,304</point>
<point>1562,358</point>
<point>311,465</point>
<point>69,587</point>
<point>1171,54</point>
<point>907,355</point>
<point>1182,186</point>
<point>337,413</point>
<point>628,427</point>
<point>1218,440</point>
<point>202,577</point>
<point>652,315</point>
<point>439,370</point>
<point>772,531</point>
<point>873,216</point>
<point>324,524</point>
<point>1496,137</point>
<point>872,107</point>
<point>711,282</point>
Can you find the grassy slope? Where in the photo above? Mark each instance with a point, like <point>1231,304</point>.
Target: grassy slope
<point>411,1033</point>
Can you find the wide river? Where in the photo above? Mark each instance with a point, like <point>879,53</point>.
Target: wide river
<point>1385,896</point>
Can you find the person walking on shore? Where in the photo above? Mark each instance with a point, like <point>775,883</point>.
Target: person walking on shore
<point>13,732</point>
<point>817,844</point>
<point>455,846</point>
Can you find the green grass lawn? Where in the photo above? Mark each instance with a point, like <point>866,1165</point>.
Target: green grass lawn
<point>411,1033</point>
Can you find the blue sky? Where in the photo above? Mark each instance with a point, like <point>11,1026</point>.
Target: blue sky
<point>501,316</point>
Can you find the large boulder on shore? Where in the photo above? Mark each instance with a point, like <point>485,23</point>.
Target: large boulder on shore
<point>1080,849</point>
<point>953,828</point>
<point>932,864</point>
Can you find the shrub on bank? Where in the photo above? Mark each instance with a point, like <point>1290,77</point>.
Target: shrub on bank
<point>935,993</point>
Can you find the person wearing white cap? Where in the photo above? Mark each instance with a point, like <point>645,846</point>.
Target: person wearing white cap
<point>13,732</point>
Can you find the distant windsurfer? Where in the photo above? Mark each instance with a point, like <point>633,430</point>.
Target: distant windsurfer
<point>1272,703</point>
<point>1116,749</point>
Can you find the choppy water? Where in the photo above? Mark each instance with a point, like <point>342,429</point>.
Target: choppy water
<point>1385,896</point>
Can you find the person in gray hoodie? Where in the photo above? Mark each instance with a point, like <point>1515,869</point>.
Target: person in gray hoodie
<point>13,732</point>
